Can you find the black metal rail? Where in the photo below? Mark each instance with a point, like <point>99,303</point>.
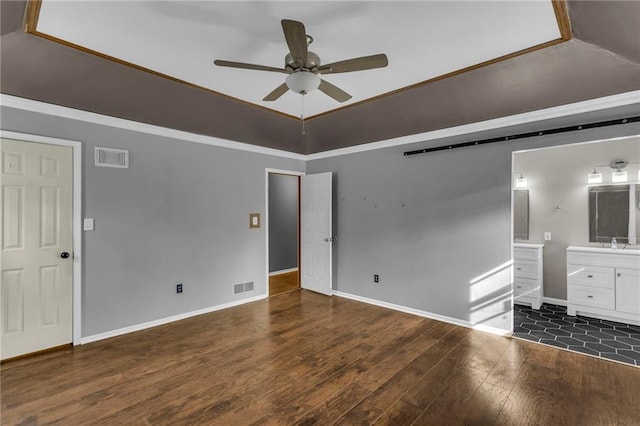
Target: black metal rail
<point>527,135</point>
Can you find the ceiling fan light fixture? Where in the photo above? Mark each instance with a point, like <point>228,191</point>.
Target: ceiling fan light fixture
<point>303,82</point>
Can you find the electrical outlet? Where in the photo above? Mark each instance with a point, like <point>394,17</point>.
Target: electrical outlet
<point>376,278</point>
<point>178,288</point>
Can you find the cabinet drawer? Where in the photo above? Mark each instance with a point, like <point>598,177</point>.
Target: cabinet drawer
<point>591,296</point>
<point>525,254</point>
<point>592,276</point>
<point>526,287</point>
<point>525,269</point>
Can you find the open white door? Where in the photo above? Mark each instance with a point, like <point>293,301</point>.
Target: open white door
<point>316,232</point>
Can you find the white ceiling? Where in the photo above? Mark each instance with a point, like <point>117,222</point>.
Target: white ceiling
<point>422,40</point>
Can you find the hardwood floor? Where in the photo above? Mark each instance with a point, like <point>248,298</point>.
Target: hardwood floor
<point>304,358</point>
<point>283,283</point>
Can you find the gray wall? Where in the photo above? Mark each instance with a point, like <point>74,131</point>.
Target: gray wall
<point>435,227</point>
<point>557,177</point>
<point>431,224</point>
<point>180,213</point>
<point>427,224</point>
<point>283,222</point>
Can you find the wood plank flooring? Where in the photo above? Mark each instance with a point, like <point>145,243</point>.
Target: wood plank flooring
<point>304,358</point>
<point>283,283</point>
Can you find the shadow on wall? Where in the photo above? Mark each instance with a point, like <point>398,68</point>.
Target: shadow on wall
<point>490,296</point>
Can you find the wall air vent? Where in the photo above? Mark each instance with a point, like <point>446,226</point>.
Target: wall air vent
<point>243,287</point>
<point>110,157</point>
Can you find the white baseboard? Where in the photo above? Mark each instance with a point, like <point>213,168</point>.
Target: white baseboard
<point>282,271</point>
<point>552,301</point>
<point>161,321</point>
<point>425,314</point>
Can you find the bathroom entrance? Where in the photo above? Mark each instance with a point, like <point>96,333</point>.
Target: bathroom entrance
<point>566,272</point>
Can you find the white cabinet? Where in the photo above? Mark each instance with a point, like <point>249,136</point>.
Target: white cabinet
<point>628,290</point>
<point>527,272</point>
<point>604,283</point>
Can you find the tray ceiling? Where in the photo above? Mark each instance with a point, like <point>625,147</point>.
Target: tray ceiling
<point>423,40</point>
<point>598,55</point>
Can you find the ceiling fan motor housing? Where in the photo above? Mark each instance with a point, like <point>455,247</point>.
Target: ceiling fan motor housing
<point>313,61</point>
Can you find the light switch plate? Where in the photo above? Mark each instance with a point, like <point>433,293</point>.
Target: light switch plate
<point>547,236</point>
<point>88,224</point>
<point>254,220</point>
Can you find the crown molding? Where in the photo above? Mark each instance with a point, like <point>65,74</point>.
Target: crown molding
<point>121,123</point>
<point>622,99</point>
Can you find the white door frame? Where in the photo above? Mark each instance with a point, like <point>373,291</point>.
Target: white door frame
<point>266,216</point>
<point>77,218</point>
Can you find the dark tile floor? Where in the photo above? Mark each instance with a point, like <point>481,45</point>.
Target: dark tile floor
<point>552,326</point>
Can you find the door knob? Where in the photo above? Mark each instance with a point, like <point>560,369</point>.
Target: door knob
<point>64,254</point>
<point>331,239</point>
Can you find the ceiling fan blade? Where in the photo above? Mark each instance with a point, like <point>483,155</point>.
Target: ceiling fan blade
<point>333,91</point>
<point>242,65</point>
<point>276,93</point>
<point>296,37</point>
<point>355,64</point>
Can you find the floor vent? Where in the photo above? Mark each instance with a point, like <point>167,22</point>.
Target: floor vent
<point>243,287</point>
<point>110,157</point>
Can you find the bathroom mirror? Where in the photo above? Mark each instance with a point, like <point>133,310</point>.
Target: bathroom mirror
<point>610,215</point>
<point>521,214</point>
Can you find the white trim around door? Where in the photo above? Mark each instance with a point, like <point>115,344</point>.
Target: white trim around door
<point>77,218</point>
<point>267,171</point>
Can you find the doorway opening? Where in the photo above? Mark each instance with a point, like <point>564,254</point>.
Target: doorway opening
<point>283,231</point>
<point>572,288</point>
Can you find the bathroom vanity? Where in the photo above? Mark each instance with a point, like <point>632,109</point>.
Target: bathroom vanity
<point>604,283</point>
<point>527,274</point>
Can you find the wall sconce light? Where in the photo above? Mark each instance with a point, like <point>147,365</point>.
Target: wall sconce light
<point>618,175</point>
<point>521,182</point>
<point>595,177</point>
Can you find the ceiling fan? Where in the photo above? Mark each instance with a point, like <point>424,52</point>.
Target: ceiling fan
<point>304,68</point>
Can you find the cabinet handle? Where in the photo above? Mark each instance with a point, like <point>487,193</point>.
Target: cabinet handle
<point>619,274</point>
<point>518,286</point>
<point>589,276</point>
<point>590,296</point>
<point>519,269</point>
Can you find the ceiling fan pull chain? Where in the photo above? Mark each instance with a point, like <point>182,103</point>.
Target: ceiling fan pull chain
<point>302,113</point>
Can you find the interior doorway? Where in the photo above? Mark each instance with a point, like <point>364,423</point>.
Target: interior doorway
<point>283,231</point>
<point>568,275</point>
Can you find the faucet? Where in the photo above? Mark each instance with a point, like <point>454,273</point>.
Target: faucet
<point>614,243</point>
